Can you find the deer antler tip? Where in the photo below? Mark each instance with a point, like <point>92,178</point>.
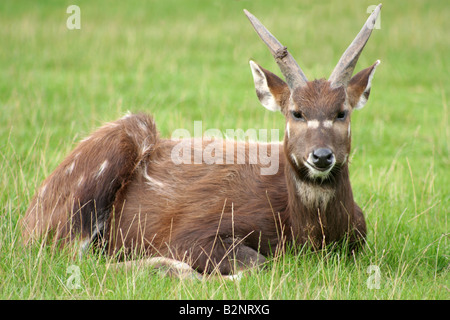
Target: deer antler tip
<point>290,69</point>
<point>344,69</point>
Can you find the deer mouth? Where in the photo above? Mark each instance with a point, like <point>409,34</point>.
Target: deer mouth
<point>316,172</point>
<point>315,168</point>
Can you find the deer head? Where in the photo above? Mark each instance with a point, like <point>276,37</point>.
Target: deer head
<point>318,112</point>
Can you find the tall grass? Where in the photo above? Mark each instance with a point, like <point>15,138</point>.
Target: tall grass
<point>186,61</point>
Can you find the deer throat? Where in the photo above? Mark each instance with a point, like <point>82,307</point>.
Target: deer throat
<point>313,196</point>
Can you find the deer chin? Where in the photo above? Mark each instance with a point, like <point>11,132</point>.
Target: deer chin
<point>315,173</point>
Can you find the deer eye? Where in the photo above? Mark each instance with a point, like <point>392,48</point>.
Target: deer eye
<point>341,115</point>
<point>297,115</point>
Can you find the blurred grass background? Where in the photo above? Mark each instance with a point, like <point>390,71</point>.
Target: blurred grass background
<point>188,60</point>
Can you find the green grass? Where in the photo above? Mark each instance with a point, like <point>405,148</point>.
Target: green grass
<point>188,60</point>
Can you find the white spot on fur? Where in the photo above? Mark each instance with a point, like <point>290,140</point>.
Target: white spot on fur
<point>145,147</point>
<point>102,168</point>
<point>80,181</point>
<point>349,130</point>
<point>328,123</point>
<point>70,168</point>
<point>294,158</point>
<point>287,129</point>
<point>314,124</point>
<point>151,181</point>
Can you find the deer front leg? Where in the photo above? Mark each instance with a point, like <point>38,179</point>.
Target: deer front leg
<point>170,267</point>
<point>247,258</point>
<point>230,266</point>
<point>228,256</point>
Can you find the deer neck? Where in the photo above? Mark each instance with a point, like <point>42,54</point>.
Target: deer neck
<point>318,211</point>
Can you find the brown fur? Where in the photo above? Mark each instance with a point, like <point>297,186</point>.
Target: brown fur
<point>77,195</point>
<point>120,187</point>
<point>318,99</point>
<point>199,213</point>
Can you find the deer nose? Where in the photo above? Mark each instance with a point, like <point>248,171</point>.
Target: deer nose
<point>322,158</point>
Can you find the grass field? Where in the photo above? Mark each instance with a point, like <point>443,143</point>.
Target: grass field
<point>188,60</point>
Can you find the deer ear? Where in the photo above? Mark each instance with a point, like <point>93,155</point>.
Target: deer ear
<point>358,89</point>
<point>272,92</point>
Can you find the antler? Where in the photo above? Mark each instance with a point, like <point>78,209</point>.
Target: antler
<point>291,71</point>
<point>344,69</point>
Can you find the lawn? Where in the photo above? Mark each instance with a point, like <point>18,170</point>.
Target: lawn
<point>186,61</point>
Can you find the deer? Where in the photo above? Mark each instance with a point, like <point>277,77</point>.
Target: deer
<point>120,190</point>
